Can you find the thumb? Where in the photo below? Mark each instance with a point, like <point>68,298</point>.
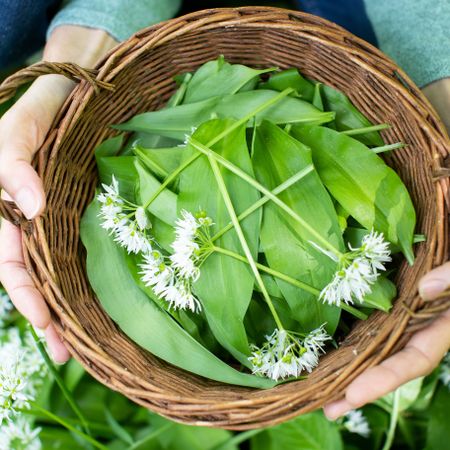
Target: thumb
<point>435,282</point>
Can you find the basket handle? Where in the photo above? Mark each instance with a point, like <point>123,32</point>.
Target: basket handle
<point>72,71</point>
<point>10,85</point>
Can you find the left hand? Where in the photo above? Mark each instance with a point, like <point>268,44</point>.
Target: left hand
<point>423,353</point>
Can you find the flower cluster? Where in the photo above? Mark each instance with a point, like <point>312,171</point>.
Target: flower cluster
<point>285,355</point>
<point>444,374</point>
<point>19,435</point>
<point>171,278</point>
<point>355,422</point>
<point>358,270</point>
<point>20,363</point>
<point>126,221</point>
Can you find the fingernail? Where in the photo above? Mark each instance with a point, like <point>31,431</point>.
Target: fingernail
<point>431,288</point>
<point>28,202</point>
<point>334,410</point>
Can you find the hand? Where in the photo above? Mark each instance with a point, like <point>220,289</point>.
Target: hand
<point>426,348</point>
<point>22,131</point>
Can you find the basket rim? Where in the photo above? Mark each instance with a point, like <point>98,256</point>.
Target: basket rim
<point>39,261</point>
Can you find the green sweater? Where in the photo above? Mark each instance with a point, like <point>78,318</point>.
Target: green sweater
<point>412,32</point>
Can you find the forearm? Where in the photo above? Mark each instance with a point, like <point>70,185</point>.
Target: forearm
<point>415,35</point>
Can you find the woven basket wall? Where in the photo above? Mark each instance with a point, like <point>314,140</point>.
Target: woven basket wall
<point>141,71</point>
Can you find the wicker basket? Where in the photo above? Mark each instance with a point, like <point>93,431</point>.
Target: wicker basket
<point>141,71</point>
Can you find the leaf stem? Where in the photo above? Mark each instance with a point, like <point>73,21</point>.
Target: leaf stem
<point>393,422</point>
<point>229,205</point>
<point>356,131</point>
<point>263,200</point>
<point>216,139</point>
<point>204,149</point>
<point>237,439</point>
<point>150,436</point>
<point>59,381</point>
<point>69,427</point>
<point>388,147</point>
<point>288,279</point>
<point>268,270</point>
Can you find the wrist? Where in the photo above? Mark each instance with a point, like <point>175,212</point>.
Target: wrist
<point>438,93</point>
<point>79,45</point>
<point>68,43</point>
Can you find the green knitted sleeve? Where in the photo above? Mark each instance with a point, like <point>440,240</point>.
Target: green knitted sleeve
<point>120,18</point>
<point>415,34</point>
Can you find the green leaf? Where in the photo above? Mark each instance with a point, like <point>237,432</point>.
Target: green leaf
<point>225,286</point>
<point>219,77</point>
<point>438,434</point>
<point>73,373</point>
<point>408,395</point>
<point>308,432</point>
<point>123,169</point>
<point>165,205</point>
<point>118,429</point>
<point>347,116</point>
<point>317,99</point>
<point>139,318</point>
<point>285,242</point>
<point>363,184</point>
<point>429,385</point>
<point>109,147</point>
<point>291,78</point>
<point>178,121</point>
<point>160,161</point>
<point>382,294</point>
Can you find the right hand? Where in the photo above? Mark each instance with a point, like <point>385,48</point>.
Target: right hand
<point>22,131</point>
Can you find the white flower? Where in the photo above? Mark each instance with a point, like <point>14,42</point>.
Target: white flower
<point>165,283</point>
<point>358,271</point>
<point>21,370</point>
<point>316,339</point>
<point>284,355</point>
<point>116,215</point>
<point>444,374</point>
<point>132,239</point>
<point>19,435</point>
<point>5,307</point>
<point>188,242</point>
<point>376,250</point>
<point>111,210</point>
<point>355,422</point>
<point>142,219</point>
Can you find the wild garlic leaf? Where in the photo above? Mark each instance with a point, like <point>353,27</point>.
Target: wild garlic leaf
<point>307,432</point>
<point>225,285</point>
<point>180,120</point>
<point>285,242</point>
<point>363,184</point>
<point>219,77</point>
<point>382,295</point>
<point>290,78</point>
<point>141,319</point>
<point>347,116</point>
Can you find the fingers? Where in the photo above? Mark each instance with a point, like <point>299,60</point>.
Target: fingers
<point>435,282</point>
<point>16,280</point>
<point>22,132</point>
<point>420,356</point>
<point>22,183</point>
<point>57,349</point>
